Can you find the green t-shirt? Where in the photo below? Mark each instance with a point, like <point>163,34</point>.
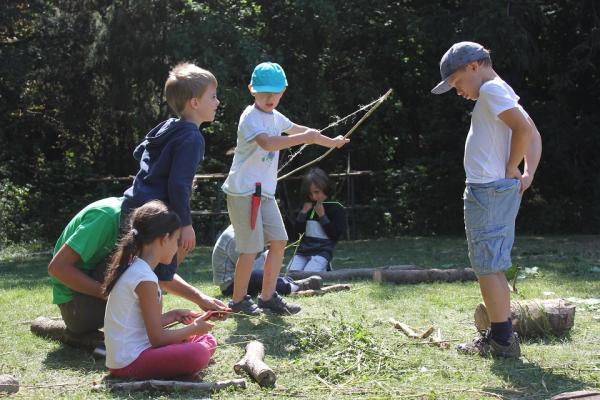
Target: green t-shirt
<point>92,234</point>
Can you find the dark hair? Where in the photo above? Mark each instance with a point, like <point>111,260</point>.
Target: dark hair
<point>147,223</point>
<point>319,178</point>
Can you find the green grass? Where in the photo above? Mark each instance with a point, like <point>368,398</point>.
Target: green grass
<point>341,346</point>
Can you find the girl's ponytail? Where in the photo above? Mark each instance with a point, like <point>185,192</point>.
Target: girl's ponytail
<point>121,259</point>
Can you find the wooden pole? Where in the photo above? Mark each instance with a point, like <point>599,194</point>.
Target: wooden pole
<point>169,386</point>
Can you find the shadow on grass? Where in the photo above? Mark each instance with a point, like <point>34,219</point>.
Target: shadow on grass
<point>532,381</point>
<point>66,357</point>
<point>274,332</point>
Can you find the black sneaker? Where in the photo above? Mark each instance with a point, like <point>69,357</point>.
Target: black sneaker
<point>485,346</point>
<point>246,307</point>
<point>314,282</point>
<point>278,306</point>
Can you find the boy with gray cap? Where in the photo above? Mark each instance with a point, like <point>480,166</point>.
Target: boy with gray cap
<point>254,165</point>
<point>501,135</point>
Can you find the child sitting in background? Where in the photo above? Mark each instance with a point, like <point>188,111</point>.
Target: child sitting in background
<point>137,343</point>
<point>320,222</point>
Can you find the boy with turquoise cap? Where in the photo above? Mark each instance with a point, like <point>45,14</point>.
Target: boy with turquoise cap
<point>255,161</point>
<point>501,136</point>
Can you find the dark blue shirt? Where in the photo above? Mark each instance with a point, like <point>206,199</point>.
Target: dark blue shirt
<point>169,157</point>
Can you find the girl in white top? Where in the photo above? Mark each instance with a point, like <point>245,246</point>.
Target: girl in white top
<point>137,343</point>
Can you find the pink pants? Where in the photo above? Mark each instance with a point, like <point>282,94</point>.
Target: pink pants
<point>182,359</point>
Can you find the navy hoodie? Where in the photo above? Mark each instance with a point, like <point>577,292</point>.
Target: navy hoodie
<point>169,157</point>
<point>321,234</point>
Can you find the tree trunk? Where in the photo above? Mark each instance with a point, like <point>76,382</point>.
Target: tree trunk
<point>534,318</point>
<point>254,365</point>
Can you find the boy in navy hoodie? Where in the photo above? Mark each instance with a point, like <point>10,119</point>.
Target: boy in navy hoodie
<point>171,153</point>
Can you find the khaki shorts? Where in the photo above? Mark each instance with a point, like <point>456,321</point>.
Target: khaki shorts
<point>269,224</point>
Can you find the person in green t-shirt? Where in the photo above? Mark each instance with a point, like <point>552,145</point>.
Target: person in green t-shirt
<point>79,262</point>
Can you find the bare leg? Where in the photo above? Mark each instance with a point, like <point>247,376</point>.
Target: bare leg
<point>243,269</point>
<point>272,268</point>
<point>496,296</point>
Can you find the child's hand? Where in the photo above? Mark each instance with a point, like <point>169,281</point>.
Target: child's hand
<point>202,327</point>
<point>339,141</point>
<point>188,238</point>
<point>526,181</point>
<point>319,209</point>
<point>185,316</point>
<point>306,207</point>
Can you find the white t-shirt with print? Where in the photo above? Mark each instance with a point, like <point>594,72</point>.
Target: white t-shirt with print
<point>252,163</point>
<point>125,334</point>
<point>487,148</point>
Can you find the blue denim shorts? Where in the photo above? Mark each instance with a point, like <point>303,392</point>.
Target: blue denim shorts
<point>490,213</point>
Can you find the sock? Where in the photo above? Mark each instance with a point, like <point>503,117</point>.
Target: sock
<point>502,332</point>
<point>294,287</point>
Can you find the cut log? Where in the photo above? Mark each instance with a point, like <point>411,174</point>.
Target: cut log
<point>534,318</point>
<point>169,386</point>
<point>57,330</point>
<point>8,384</point>
<point>252,363</point>
<point>350,273</point>
<point>424,275</point>
<point>579,395</point>
<point>322,291</point>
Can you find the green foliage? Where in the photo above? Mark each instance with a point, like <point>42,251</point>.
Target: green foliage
<point>81,83</point>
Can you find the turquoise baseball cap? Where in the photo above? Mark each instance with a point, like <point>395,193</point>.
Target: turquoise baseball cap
<point>268,77</point>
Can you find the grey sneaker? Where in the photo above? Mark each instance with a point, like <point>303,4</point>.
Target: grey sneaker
<point>246,307</point>
<point>485,346</point>
<point>314,282</point>
<point>278,306</point>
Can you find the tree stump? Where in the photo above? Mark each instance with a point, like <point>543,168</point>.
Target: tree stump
<point>253,364</point>
<point>8,384</point>
<point>57,330</point>
<point>534,318</point>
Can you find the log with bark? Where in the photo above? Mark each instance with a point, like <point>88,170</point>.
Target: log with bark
<point>424,275</point>
<point>169,386</point>
<point>579,395</point>
<point>349,273</point>
<point>57,330</point>
<point>534,318</point>
<point>253,364</point>
<point>8,384</point>
<point>322,291</point>
<point>393,274</point>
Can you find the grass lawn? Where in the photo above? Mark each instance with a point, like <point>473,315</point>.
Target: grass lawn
<point>341,345</point>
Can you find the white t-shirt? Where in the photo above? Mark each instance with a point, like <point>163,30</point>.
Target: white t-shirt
<point>252,163</point>
<point>487,148</point>
<point>125,334</point>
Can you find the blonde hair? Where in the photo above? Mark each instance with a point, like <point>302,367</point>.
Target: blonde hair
<point>185,82</point>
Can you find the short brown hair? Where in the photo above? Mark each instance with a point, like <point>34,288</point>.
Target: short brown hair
<point>316,176</point>
<point>185,82</point>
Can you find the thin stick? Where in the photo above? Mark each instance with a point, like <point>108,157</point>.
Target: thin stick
<point>322,156</point>
<point>335,123</point>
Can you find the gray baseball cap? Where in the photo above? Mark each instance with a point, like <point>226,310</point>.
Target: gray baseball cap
<point>458,55</point>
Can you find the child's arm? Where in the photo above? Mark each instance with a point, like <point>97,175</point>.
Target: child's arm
<point>153,319</point>
<point>300,223</point>
<point>334,222</point>
<point>522,134</point>
<point>308,136</point>
<point>532,158</point>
